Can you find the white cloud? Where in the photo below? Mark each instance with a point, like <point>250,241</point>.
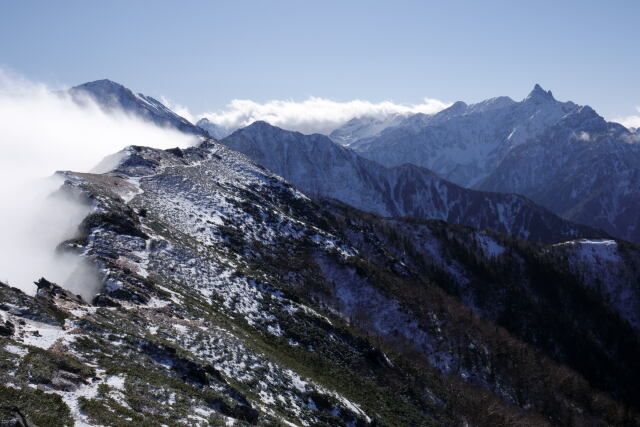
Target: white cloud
<point>584,136</point>
<point>41,132</point>
<point>312,115</point>
<point>630,121</point>
<point>179,109</point>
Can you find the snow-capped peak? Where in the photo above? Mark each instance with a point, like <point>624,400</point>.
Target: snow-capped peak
<point>114,96</point>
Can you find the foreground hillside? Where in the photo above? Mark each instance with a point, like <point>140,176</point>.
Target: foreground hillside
<point>229,296</point>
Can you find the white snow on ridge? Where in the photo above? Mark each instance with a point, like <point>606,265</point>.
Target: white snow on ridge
<point>41,334</point>
<point>594,250</point>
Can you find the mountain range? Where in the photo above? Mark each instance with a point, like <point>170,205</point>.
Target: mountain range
<point>231,296</point>
<point>322,168</point>
<point>561,155</point>
<point>276,278</point>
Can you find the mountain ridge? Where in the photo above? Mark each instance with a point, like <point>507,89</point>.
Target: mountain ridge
<point>530,148</point>
<point>230,296</point>
<point>320,167</point>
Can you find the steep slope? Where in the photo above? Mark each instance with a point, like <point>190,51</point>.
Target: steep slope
<point>554,297</point>
<point>320,167</point>
<point>582,168</point>
<point>612,269</point>
<point>229,295</point>
<point>112,95</point>
<point>464,143</point>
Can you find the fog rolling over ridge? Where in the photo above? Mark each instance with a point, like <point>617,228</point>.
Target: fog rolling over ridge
<point>43,131</point>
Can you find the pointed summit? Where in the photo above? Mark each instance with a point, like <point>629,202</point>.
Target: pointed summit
<point>105,83</point>
<point>111,96</point>
<point>457,108</point>
<point>539,95</point>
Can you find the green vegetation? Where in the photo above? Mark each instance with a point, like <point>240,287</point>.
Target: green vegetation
<point>40,408</point>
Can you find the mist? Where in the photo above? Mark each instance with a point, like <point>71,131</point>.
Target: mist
<point>43,131</point>
<point>630,122</point>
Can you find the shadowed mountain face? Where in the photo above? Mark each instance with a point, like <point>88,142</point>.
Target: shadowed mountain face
<point>112,95</point>
<point>582,168</point>
<point>320,167</point>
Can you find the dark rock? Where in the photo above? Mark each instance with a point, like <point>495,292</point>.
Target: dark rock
<point>48,290</point>
<point>176,152</point>
<point>245,413</point>
<point>102,300</point>
<point>129,294</point>
<point>215,374</point>
<point>377,358</point>
<point>63,384</point>
<point>7,329</point>
<point>125,223</point>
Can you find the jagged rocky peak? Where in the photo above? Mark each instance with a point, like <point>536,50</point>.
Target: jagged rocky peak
<point>50,290</point>
<point>539,95</point>
<point>464,143</point>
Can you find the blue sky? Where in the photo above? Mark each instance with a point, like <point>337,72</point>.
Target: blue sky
<point>205,53</point>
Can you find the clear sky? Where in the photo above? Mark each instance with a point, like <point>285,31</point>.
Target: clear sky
<point>205,53</point>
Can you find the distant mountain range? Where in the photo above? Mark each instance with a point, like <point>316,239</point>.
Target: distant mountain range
<point>320,167</point>
<point>323,168</point>
<point>464,143</point>
<point>562,156</point>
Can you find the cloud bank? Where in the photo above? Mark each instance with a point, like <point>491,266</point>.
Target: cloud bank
<point>314,115</point>
<point>630,121</point>
<point>42,131</point>
<point>179,109</point>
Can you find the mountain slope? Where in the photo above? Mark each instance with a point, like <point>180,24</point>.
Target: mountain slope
<point>215,131</point>
<point>112,95</point>
<point>562,156</point>
<point>229,295</point>
<point>320,167</point>
<point>583,168</point>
